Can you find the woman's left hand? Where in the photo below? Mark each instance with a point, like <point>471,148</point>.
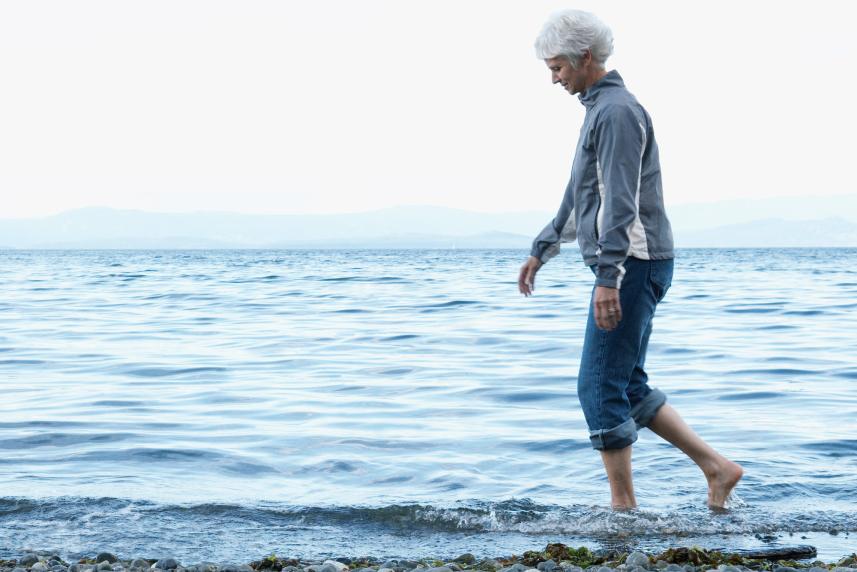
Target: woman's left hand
<point>608,311</point>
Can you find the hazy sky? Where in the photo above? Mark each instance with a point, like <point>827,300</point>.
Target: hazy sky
<point>338,106</point>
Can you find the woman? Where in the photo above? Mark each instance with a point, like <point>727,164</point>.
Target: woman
<point>613,205</point>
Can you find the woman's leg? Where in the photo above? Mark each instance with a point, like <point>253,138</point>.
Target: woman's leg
<point>721,473</point>
<point>617,463</point>
<point>606,367</point>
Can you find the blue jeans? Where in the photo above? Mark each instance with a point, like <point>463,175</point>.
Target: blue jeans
<point>612,384</point>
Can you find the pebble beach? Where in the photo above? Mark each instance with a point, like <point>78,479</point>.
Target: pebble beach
<point>554,558</point>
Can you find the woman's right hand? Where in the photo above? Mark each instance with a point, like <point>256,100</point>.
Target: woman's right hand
<point>527,275</point>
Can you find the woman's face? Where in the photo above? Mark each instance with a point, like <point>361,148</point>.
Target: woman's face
<point>573,80</point>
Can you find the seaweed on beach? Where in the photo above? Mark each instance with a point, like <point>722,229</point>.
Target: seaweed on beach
<point>555,557</point>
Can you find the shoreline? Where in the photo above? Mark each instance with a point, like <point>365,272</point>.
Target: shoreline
<point>554,557</point>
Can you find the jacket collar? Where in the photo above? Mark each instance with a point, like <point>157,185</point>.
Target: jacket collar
<point>590,96</point>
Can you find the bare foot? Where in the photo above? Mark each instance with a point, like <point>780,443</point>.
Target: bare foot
<point>623,507</point>
<point>721,482</point>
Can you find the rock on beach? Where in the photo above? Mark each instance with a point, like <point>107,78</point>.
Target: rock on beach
<point>554,558</point>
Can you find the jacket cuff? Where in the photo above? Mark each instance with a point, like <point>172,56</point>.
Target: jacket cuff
<point>545,255</point>
<point>607,282</point>
<point>608,275</point>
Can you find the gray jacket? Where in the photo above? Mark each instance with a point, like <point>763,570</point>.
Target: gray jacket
<point>614,202</point>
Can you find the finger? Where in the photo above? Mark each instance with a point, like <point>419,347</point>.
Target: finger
<point>614,321</point>
<point>605,319</point>
<point>599,315</point>
<point>531,279</point>
<point>521,279</point>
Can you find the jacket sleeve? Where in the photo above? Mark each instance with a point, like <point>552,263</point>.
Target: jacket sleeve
<point>561,229</point>
<point>620,139</point>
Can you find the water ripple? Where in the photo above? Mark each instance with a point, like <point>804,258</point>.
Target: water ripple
<point>363,382</point>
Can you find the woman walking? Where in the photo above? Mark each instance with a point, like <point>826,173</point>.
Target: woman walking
<point>613,205</point>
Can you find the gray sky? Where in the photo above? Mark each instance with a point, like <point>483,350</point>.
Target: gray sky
<point>340,106</point>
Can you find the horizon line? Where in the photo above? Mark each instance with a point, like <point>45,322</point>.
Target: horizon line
<point>406,206</point>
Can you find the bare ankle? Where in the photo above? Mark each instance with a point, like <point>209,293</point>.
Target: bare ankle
<point>623,506</point>
<point>714,466</point>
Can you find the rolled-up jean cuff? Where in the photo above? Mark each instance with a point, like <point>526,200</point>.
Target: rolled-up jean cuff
<point>617,437</point>
<point>644,411</point>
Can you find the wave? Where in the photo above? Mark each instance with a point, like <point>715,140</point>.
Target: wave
<point>475,516</point>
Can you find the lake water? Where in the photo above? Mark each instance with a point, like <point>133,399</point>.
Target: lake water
<point>224,405</point>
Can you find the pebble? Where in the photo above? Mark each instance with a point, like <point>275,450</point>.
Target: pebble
<point>212,567</point>
<point>637,559</point>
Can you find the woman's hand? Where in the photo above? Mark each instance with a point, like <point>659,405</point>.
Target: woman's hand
<point>608,311</point>
<point>527,275</point>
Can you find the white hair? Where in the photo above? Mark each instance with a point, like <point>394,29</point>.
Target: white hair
<point>570,33</point>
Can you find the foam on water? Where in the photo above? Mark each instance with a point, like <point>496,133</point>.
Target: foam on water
<point>223,532</point>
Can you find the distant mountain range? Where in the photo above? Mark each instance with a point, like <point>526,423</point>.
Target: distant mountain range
<point>759,223</point>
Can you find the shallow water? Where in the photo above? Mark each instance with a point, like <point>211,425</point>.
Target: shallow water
<point>234,403</point>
